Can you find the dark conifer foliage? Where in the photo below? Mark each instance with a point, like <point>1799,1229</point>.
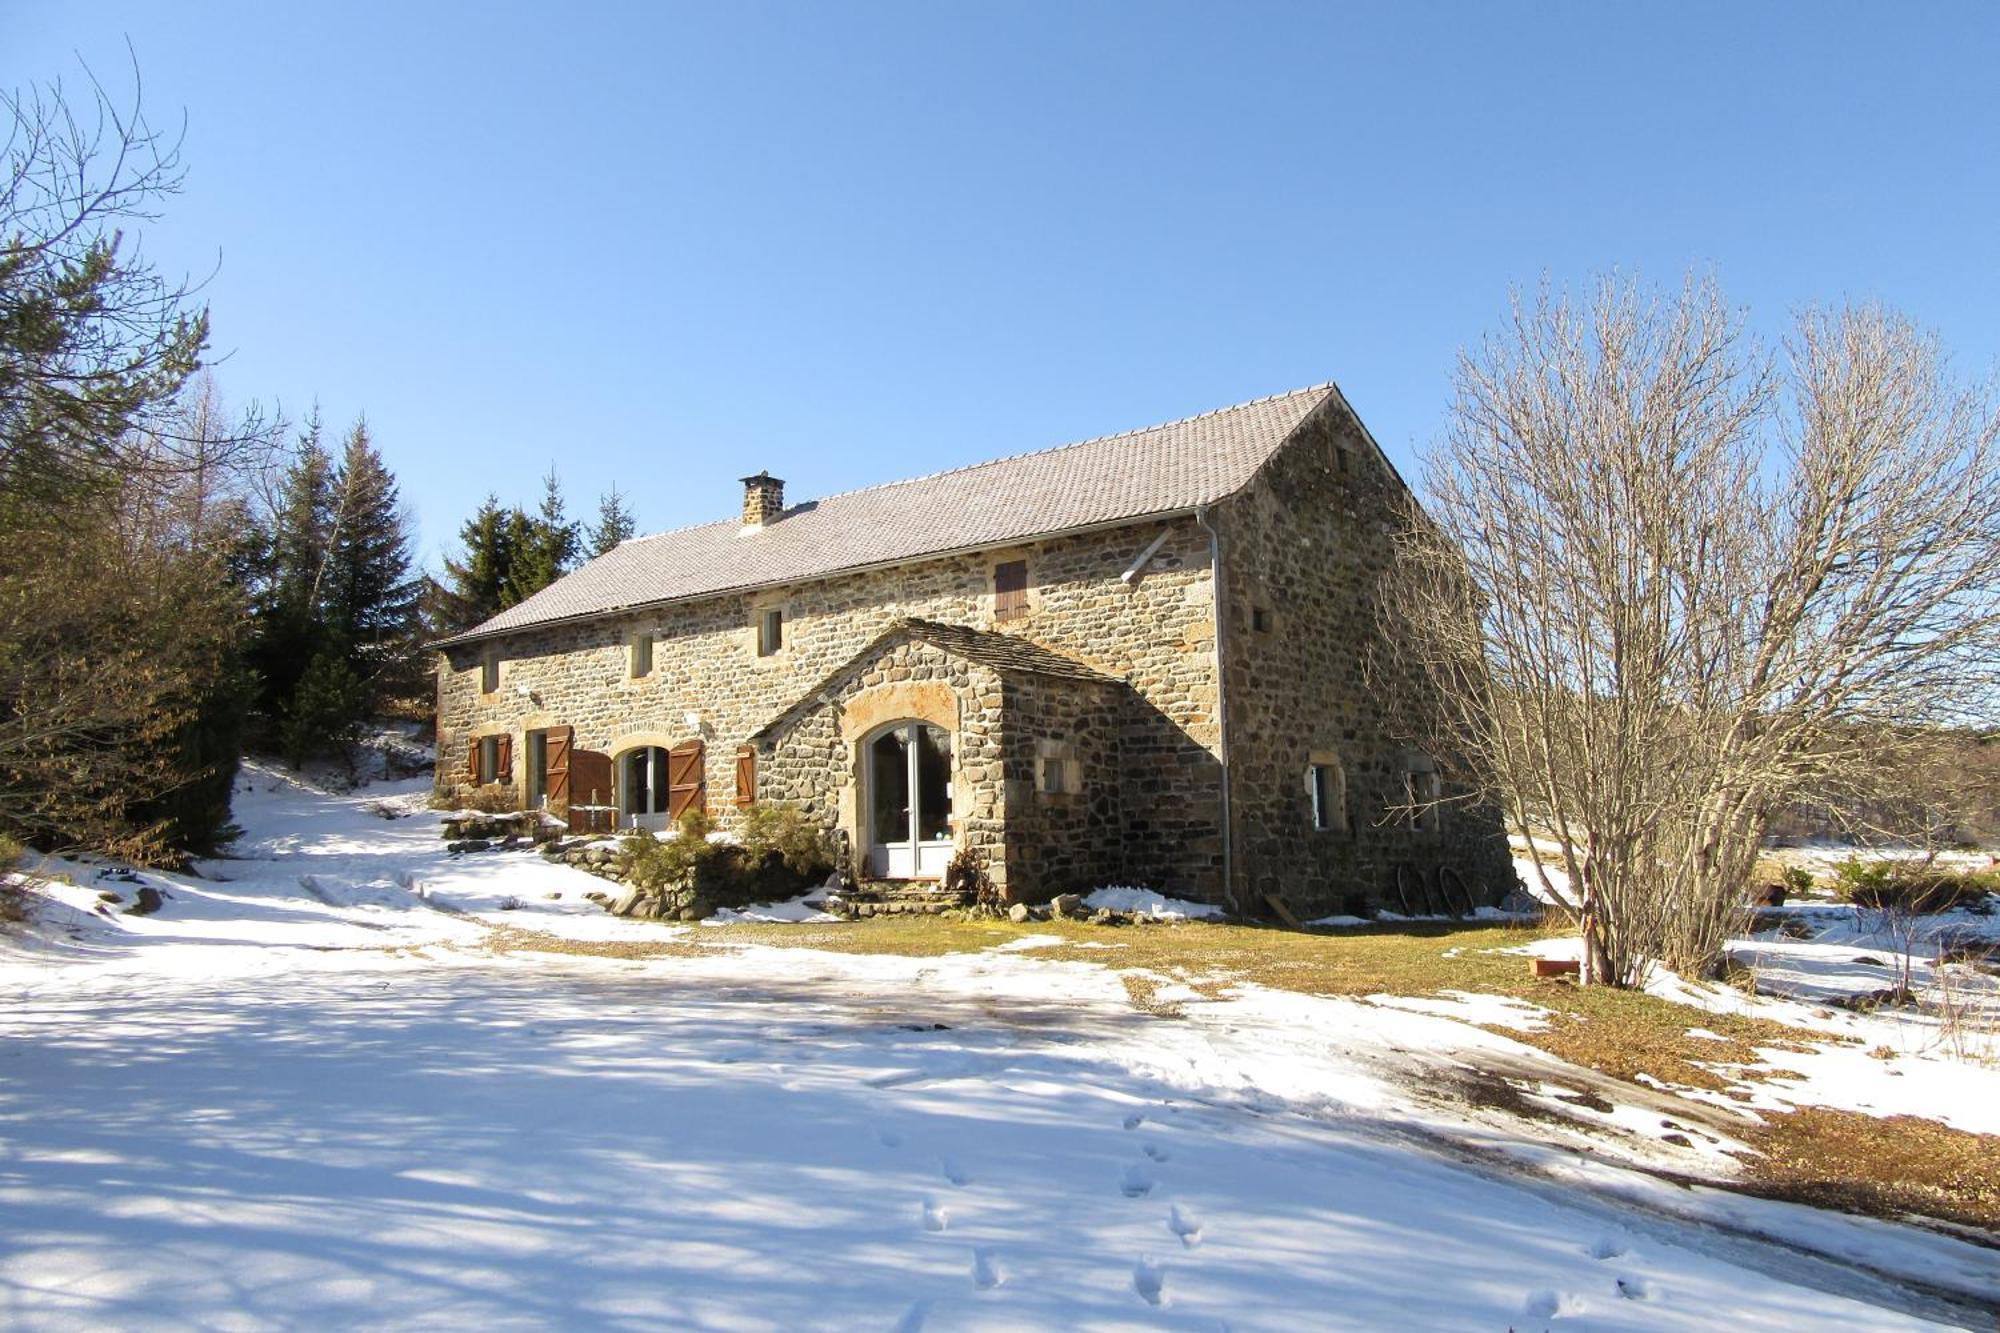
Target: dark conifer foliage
<point>338,637</point>
<point>506,556</point>
<point>614,524</point>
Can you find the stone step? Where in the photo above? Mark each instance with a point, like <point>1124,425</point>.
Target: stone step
<point>894,898</point>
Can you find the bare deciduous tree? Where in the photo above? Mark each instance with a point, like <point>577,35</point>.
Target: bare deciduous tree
<point>1668,582</point>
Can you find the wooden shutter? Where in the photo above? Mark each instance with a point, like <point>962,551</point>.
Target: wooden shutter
<point>503,762</point>
<point>746,776</point>
<point>685,780</point>
<point>472,763</point>
<point>590,784</point>
<point>555,767</point>
<point>1010,589</point>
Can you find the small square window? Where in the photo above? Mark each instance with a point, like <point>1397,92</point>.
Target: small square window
<point>770,632</point>
<point>489,672</point>
<point>1057,772</point>
<point>1260,619</point>
<point>642,656</point>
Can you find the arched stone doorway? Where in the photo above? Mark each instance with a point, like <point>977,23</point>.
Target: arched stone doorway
<point>656,785</point>
<point>907,799</point>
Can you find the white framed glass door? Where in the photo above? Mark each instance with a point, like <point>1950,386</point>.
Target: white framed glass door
<point>909,801</point>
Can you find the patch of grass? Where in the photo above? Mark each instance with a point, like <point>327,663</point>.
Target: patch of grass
<point>511,939</point>
<point>1881,1165</point>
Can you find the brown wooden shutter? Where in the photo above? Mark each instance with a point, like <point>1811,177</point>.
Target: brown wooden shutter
<point>746,776</point>
<point>472,763</point>
<point>685,780</point>
<point>504,760</point>
<point>590,784</point>
<point>1010,589</point>
<point>555,771</point>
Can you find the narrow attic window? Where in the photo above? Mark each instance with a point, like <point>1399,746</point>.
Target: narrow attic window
<point>642,656</point>
<point>489,671</point>
<point>770,631</point>
<point>1260,619</point>
<point>1326,787</point>
<point>1422,791</point>
<point>490,760</point>
<point>1010,590</point>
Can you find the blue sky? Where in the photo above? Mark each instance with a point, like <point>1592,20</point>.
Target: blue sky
<point>665,246</point>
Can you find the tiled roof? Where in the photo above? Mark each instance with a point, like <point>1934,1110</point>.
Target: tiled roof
<point>1157,470</point>
<point>1002,652</point>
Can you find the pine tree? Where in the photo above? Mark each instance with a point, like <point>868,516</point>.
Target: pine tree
<point>614,524</point>
<point>368,598</point>
<point>476,583</point>
<point>545,544</point>
<point>294,558</point>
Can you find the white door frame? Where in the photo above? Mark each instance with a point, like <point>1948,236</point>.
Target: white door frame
<point>911,857</point>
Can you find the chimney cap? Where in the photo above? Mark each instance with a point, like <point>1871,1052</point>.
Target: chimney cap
<point>764,476</point>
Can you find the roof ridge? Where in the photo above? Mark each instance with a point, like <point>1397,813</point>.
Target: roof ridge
<point>1078,444</point>
<point>1322,387</point>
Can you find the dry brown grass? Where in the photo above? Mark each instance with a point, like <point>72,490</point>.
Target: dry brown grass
<point>1881,1165</point>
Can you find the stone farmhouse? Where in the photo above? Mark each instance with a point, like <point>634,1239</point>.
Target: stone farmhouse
<point>1141,659</point>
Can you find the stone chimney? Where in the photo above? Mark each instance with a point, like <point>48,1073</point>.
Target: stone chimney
<point>763,499</point>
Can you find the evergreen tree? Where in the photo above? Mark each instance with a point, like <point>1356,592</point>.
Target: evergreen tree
<point>295,551</point>
<point>368,598</point>
<point>545,544</point>
<point>337,629</point>
<point>476,583</point>
<point>614,524</point>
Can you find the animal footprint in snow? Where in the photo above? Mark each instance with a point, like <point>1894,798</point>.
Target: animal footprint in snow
<point>955,1173</point>
<point>914,1317</point>
<point>888,1138</point>
<point>1134,1120</point>
<point>1156,1152</point>
<point>1138,1182</point>
<point>1183,1223</point>
<point>1150,1281</point>
<point>1607,1248</point>
<point>1551,1305</point>
<point>986,1273</point>
<point>1634,1288</point>
<point>935,1218</point>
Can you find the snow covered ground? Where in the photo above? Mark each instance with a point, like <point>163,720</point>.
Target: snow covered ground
<point>317,1094</point>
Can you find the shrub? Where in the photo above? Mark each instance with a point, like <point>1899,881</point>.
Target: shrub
<point>1890,886</point>
<point>966,873</point>
<point>780,854</point>
<point>782,831</point>
<point>13,902</point>
<point>1797,881</point>
<point>685,860</point>
<point>493,798</point>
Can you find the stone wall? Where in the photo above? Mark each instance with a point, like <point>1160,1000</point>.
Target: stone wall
<point>1070,840</point>
<point>1304,548</point>
<point>1155,631</point>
